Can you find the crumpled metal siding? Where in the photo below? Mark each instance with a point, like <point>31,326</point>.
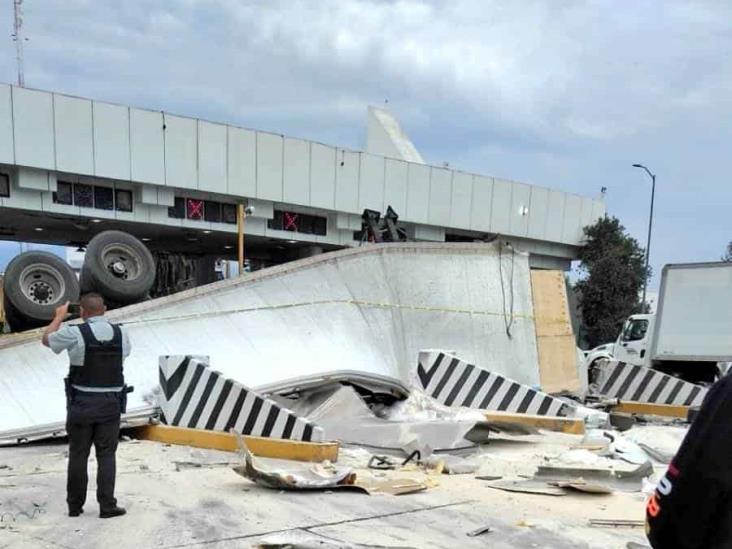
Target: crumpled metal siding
<point>369,309</point>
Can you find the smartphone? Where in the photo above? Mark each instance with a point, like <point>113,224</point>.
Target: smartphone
<point>74,309</point>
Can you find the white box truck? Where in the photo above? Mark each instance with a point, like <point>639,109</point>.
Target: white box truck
<point>691,332</point>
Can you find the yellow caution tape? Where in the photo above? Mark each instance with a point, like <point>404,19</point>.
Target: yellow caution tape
<point>377,305</point>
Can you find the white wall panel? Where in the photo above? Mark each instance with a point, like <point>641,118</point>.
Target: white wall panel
<point>7,154</point>
<point>462,197</point>
<point>480,214</point>
<point>242,162</point>
<point>111,140</point>
<point>166,197</point>
<point>418,193</point>
<point>586,215</point>
<point>555,216</point>
<point>347,222</point>
<point>395,186</point>
<point>296,179</point>
<point>440,196</point>
<point>520,208</point>
<point>598,209</point>
<point>501,207</point>
<point>269,166</point>
<point>262,209</point>
<point>148,194</point>
<point>146,147</point>
<point>181,152</point>
<point>322,176</point>
<point>347,170</point>
<point>26,199</point>
<point>212,157</point>
<point>425,232</point>
<point>141,212</point>
<point>48,205</point>
<point>571,228</point>
<point>371,182</point>
<point>32,179</point>
<point>538,212</point>
<point>33,128</point>
<point>73,131</point>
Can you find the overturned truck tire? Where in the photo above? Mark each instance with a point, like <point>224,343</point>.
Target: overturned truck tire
<point>119,267</point>
<point>35,284</point>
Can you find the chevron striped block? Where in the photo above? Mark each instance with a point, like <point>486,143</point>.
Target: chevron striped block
<point>639,384</point>
<point>454,382</point>
<point>194,396</point>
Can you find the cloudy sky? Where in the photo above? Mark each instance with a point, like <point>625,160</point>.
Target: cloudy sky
<point>565,94</point>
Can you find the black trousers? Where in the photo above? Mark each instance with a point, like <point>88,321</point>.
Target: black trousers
<point>92,418</point>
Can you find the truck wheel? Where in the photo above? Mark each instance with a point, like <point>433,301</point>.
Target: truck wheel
<point>35,284</point>
<point>118,266</point>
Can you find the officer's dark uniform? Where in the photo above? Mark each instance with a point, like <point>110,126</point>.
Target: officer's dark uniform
<point>93,417</point>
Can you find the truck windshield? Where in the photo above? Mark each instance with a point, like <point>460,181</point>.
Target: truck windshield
<point>635,330</point>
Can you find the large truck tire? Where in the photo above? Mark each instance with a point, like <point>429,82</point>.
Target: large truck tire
<point>119,267</point>
<point>35,284</point>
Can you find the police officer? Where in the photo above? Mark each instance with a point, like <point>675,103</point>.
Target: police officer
<point>95,391</point>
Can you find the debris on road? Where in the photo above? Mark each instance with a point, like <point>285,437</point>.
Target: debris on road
<point>480,531</point>
<point>528,487</point>
<point>292,475</point>
<point>305,540</point>
<point>617,523</point>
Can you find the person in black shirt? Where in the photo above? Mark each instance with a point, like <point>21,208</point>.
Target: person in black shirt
<point>692,505</point>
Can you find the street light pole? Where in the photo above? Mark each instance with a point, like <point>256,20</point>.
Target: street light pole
<point>650,226</point>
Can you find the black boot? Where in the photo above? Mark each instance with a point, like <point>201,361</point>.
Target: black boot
<point>112,512</point>
<point>75,512</point>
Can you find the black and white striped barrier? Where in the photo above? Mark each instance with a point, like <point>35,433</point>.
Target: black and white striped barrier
<point>639,384</point>
<point>194,396</point>
<point>454,382</point>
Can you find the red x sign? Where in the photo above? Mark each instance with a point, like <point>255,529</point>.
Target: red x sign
<point>290,221</point>
<point>195,209</point>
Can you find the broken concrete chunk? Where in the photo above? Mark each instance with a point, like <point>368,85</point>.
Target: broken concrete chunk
<point>452,465</point>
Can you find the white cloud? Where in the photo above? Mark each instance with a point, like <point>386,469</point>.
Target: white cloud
<point>595,70</point>
<point>566,94</point>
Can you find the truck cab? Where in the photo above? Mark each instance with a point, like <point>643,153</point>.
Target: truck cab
<point>632,345</point>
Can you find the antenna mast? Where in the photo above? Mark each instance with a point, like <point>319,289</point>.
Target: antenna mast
<point>18,38</point>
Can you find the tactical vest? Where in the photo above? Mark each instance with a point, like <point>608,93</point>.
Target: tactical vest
<point>102,361</point>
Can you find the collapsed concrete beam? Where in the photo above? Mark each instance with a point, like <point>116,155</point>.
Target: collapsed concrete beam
<point>194,396</point>
<point>639,384</point>
<point>454,382</point>
<point>369,309</point>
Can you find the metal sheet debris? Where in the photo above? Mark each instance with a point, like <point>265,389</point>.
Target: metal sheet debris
<point>281,474</point>
<point>528,487</point>
<point>620,479</point>
<point>345,417</point>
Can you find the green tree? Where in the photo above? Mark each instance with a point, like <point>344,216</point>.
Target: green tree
<point>728,253</point>
<point>612,272</point>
